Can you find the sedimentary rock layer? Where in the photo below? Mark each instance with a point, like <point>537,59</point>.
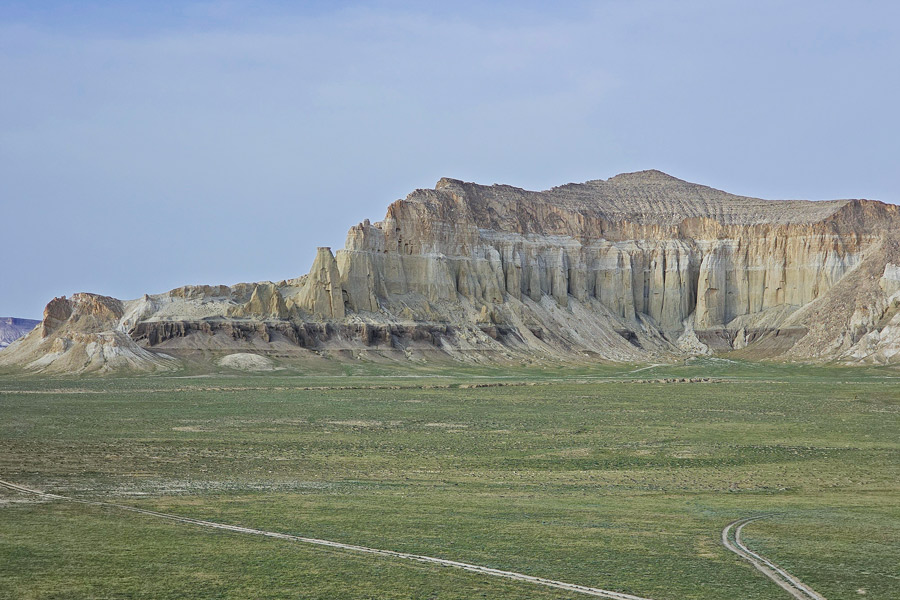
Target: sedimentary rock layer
<point>641,266</point>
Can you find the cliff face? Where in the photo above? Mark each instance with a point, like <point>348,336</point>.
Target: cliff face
<point>642,245</point>
<point>637,267</point>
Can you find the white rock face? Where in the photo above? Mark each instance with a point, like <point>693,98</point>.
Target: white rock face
<point>639,267</point>
<point>877,325</point>
<point>322,293</point>
<point>890,280</point>
<point>666,259</point>
<point>243,361</point>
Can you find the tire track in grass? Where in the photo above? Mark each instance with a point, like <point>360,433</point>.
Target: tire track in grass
<point>782,578</point>
<point>569,587</point>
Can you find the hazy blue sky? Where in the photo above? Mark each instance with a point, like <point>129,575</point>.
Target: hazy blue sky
<point>146,145</point>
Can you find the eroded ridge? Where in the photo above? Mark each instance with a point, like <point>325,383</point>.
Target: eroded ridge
<point>570,587</point>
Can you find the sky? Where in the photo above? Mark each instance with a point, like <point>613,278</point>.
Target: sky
<point>148,145</point>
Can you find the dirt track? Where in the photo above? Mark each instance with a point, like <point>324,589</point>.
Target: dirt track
<point>785,580</point>
<point>570,587</point>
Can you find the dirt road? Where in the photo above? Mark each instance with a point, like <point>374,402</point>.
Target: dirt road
<point>785,580</point>
<point>569,587</point>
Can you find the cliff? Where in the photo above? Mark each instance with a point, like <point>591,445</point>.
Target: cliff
<point>642,266</point>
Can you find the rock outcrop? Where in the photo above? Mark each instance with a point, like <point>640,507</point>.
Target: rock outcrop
<point>640,244</point>
<point>81,334</point>
<point>642,266</point>
<point>322,294</point>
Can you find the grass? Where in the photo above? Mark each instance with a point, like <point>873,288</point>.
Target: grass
<point>580,475</point>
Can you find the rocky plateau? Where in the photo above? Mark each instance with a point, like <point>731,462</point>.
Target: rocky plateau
<point>640,267</point>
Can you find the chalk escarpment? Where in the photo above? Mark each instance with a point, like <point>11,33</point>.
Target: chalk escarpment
<point>638,267</point>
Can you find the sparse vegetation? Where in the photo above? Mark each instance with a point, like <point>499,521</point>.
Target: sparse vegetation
<point>584,476</point>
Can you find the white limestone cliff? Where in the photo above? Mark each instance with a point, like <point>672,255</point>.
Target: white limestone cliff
<point>633,268</point>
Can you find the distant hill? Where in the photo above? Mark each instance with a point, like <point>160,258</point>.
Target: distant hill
<point>12,329</point>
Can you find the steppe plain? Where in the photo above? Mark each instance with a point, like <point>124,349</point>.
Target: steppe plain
<point>619,477</point>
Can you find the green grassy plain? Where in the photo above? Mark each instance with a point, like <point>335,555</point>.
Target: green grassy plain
<point>580,475</point>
